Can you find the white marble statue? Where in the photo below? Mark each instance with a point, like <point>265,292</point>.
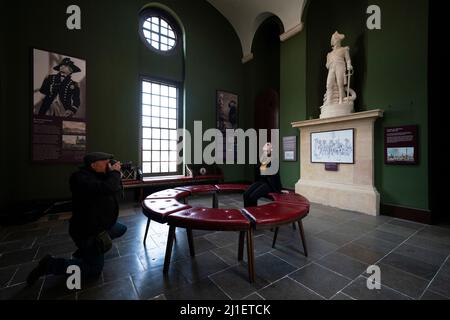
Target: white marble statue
<point>339,97</point>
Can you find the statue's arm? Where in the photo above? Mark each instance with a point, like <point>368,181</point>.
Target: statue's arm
<point>348,58</point>
<point>328,61</point>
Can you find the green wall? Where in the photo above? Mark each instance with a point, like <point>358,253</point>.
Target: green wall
<point>3,146</point>
<point>263,71</point>
<point>391,74</point>
<point>397,82</point>
<point>116,58</point>
<point>293,98</point>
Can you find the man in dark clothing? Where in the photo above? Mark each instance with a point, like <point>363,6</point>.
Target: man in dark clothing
<point>264,184</point>
<point>95,188</point>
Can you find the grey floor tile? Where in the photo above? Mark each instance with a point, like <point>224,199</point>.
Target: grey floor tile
<point>437,234</point>
<point>288,289</point>
<point>223,238</point>
<point>202,290</point>
<point>56,249</point>
<point>338,239</point>
<point>318,248</point>
<point>431,245</point>
<point>441,283</point>
<point>430,295</point>
<point>387,236</point>
<point>411,265</point>
<point>342,297</point>
<point>254,297</point>
<point>403,282</point>
<point>372,220</point>
<point>22,272</point>
<point>375,244</point>
<point>17,257</point>
<point>154,282</point>
<point>154,258</point>
<point>272,268</point>
<point>407,224</point>
<point>22,292</point>
<point>343,265</point>
<point>27,234</point>
<point>421,254</point>
<point>117,290</point>
<point>6,247</point>
<point>54,288</point>
<point>229,254</point>
<point>292,253</point>
<point>6,275</point>
<point>200,267</point>
<point>52,239</point>
<point>397,230</point>
<point>358,290</point>
<point>235,282</point>
<point>321,280</point>
<point>361,254</point>
<point>121,267</point>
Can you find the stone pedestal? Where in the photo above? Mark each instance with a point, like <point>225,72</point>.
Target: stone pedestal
<point>352,186</point>
<point>336,110</point>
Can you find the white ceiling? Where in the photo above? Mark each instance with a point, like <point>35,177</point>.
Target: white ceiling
<point>247,15</point>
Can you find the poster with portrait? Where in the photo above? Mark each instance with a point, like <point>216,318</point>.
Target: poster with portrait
<point>59,130</point>
<point>227,111</point>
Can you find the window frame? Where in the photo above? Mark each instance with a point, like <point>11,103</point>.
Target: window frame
<point>159,13</point>
<point>180,121</point>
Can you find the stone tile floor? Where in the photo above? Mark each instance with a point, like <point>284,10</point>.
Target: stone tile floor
<point>414,260</point>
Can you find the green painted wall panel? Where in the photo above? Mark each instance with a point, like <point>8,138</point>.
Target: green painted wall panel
<point>293,98</point>
<point>116,58</point>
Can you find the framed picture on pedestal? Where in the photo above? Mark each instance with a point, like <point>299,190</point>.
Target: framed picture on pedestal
<point>333,147</point>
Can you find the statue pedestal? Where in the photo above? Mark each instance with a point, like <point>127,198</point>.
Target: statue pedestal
<point>352,186</point>
<point>337,110</point>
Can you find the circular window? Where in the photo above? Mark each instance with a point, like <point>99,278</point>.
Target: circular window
<point>159,33</point>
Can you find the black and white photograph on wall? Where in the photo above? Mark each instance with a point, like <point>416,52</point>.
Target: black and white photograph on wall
<point>227,111</point>
<point>333,147</point>
<point>59,127</point>
<point>59,85</point>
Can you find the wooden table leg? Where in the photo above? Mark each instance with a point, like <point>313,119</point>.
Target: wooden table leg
<point>190,242</point>
<point>241,246</point>
<point>169,246</point>
<point>251,256</point>
<point>275,237</point>
<point>146,230</point>
<point>302,235</point>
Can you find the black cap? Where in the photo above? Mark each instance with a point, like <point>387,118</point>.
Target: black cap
<point>96,156</point>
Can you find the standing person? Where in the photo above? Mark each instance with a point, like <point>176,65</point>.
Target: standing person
<point>264,184</point>
<point>95,189</point>
<point>61,93</point>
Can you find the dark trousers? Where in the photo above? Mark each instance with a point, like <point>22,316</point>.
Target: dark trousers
<point>254,192</point>
<point>87,257</point>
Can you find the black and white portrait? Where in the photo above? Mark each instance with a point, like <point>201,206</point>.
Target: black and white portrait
<point>59,85</point>
<point>227,110</point>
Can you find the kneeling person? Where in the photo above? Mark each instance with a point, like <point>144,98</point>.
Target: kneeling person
<point>95,190</point>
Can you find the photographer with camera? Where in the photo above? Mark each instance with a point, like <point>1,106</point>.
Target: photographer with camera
<point>95,190</point>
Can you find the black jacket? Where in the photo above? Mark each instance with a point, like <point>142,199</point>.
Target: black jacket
<point>67,90</point>
<point>273,181</point>
<point>95,202</point>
